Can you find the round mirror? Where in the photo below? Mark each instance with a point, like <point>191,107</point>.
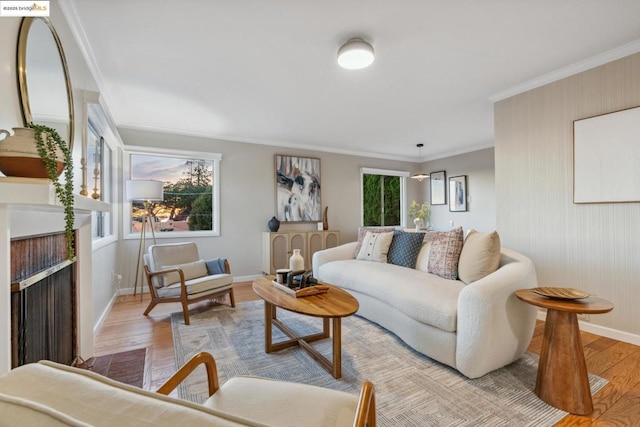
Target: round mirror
<point>45,88</point>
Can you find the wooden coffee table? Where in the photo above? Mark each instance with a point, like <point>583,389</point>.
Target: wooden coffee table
<point>333,305</point>
<point>562,379</point>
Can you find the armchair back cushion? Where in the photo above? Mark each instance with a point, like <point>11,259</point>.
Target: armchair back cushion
<point>174,255</point>
<point>191,270</point>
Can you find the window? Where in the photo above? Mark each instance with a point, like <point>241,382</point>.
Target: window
<point>191,187</point>
<point>383,197</point>
<point>99,165</point>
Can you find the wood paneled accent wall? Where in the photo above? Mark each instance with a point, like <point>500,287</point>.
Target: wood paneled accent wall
<point>593,247</point>
<point>43,301</point>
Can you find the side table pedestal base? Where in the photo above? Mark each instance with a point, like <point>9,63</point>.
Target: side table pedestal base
<point>563,380</point>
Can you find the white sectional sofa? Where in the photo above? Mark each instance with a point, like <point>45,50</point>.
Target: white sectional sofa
<point>474,328</point>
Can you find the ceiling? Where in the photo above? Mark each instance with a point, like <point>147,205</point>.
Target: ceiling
<point>265,71</point>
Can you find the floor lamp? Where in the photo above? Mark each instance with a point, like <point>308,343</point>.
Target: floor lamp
<point>147,191</point>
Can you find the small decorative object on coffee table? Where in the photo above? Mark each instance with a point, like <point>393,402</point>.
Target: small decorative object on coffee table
<point>330,306</point>
<point>562,379</point>
<point>296,262</point>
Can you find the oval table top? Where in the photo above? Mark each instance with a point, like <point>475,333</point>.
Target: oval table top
<point>589,305</point>
<point>334,303</point>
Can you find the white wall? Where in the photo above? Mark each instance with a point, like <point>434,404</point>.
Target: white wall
<point>481,194</point>
<point>11,116</point>
<point>248,195</point>
<point>593,247</point>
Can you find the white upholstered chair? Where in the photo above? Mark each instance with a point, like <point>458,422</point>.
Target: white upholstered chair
<point>280,403</point>
<point>175,273</point>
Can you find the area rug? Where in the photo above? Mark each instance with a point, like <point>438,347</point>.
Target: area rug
<point>411,389</point>
<point>127,367</point>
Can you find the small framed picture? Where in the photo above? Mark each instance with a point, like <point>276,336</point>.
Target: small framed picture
<point>437,188</point>
<point>458,193</point>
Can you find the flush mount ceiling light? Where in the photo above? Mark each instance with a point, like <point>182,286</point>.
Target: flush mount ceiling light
<point>355,54</point>
<point>420,176</point>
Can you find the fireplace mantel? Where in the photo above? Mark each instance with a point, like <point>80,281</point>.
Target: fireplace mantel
<point>29,207</point>
<point>34,193</point>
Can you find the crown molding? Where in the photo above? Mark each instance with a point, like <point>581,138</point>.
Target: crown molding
<point>570,70</point>
<point>283,144</point>
<point>71,15</point>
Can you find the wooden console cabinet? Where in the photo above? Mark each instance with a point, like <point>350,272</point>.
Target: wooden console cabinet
<point>278,247</point>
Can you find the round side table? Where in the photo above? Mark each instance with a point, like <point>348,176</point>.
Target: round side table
<point>562,379</point>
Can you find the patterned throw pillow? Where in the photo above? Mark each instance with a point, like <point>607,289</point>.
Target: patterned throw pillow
<point>445,253</point>
<point>362,231</point>
<point>404,248</point>
<point>375,247</point>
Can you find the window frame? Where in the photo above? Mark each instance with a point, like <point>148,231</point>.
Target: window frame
<point>107,187</point>
<point>403,191</point>
<point>215,158</point>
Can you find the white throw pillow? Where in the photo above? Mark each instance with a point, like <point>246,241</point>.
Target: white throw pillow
<point>480,256</point>
<point>375,247</point>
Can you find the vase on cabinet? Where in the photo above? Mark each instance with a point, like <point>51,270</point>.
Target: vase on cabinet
<point>19,155</point>
<point>296,262</point>
<point>273,224</point>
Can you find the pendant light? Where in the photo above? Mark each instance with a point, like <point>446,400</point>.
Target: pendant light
<point>420,176</point>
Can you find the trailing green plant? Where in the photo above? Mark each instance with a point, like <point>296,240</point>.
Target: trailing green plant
<point>48,141</point>
<point>422,211</point>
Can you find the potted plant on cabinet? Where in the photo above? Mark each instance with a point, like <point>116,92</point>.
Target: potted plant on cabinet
<point>420,213</point>
<point>49,144</point>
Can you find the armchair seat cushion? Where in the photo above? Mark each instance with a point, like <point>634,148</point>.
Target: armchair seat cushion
<point>198,286</point>
<point>284,404</point>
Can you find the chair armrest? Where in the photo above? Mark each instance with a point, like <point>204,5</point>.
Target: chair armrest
<point>332,254</point>
<point>494,327</point>
<point>182,373</point>
<point>168,270</point>
<point>366,410</point>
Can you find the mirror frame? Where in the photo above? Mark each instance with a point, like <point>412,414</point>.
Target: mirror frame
<point>23,36</point>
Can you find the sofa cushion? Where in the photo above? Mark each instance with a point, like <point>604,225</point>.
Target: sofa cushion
<point>362,231</point>
<point>375,247</point>
<point>22,412</point>
<point>421,296</point>
<point>445,253</point>
<point>98,401</point>
<point>283,404</point>
<point>198,286</point>
<point>191,270</point>
<point>405,248</point>
<point>480,256</point>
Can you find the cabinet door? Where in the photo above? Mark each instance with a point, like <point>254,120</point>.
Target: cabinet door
<point>279,251</point>
<point>331,239</point>
<point>298,241</point>
<point>316,243</point>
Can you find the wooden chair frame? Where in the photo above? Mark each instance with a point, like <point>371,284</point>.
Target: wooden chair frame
<point>365,411</point>
<point>183,298</point>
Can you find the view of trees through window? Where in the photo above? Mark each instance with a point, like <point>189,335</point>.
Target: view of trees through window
<point>188,191</point>
<point>381,200</point>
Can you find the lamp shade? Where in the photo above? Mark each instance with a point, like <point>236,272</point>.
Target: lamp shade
<point>144,189</point>
<point>355,54</point>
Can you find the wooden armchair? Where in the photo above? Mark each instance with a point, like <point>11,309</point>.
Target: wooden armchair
<point>175,273</point>
<point>280,403</point>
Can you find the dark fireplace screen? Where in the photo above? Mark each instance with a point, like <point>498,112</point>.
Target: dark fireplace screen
<point>43,301</point>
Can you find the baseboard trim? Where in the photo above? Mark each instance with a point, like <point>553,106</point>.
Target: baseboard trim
<point>602,331</point>
<point>105,313</point>
<point>129,291</point>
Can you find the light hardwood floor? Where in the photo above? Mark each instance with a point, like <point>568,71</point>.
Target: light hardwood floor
<point>617,404</point>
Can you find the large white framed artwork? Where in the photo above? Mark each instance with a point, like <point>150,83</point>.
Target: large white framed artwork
<point>298,196</point>
<point>606,158</point>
